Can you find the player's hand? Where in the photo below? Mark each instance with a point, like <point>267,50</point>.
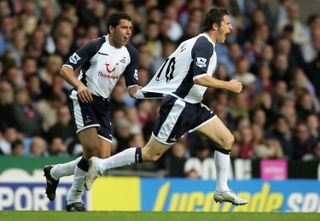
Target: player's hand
<point>84,94</point>
<point>133,91</point>
<point>235,86</point>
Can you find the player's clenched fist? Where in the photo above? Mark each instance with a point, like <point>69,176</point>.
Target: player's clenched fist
<point>235,86</point>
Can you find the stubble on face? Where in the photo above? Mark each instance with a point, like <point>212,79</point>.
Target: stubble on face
<point>121,34</point>
<point>224,29</point>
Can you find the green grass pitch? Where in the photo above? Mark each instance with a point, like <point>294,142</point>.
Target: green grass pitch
<point>153,216</point>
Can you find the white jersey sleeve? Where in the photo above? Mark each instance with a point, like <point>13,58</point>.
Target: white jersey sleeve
<point>192,59</point>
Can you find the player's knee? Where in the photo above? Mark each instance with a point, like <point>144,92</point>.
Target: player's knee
<point>147,156</point>
<point>156,157</point>
<point>92,149</point>
<point>104,155</point>
<point>228,142</point>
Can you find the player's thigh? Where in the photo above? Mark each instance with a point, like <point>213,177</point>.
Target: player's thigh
<point>90,142</point>
<point>154,149</point>
<point>217,131</point>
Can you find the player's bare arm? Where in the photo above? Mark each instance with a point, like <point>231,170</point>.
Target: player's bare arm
<point>209,81</point>
<point>84,93</point>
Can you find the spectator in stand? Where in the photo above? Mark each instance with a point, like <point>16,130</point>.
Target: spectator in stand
<point>192,174</point>
<point>63,47</point>
<point>239,106</point>
<point>17,148</point>
<point>306,105</point>
<point>313,123</point>
<point>35,87</point>
<point>27,119</point>
<point>63,128</point>
<point>259,118</point>
<point>38,147</point>
<point>271,149</point>
<point>303,142</point>
<point>6,105</point>
<point>316,151</point>
<point>57,147</point>
<point>52,68</point>
<point>29,65</point>
<point>7,26</point>
<point>266,57</point>
<point>48,109</point>
<point>36,47</point>
<point>151,39</point>
<point>311,48</point>
<point>299,36</point>
<point>281,68</point>
<point>192,29</point>
<point>279,92</point>
<point>14,76</point>
<point>246,143</point>
<point>230,58</point>
<point>264,82</point>
<point>5,147</point>
<point>17,45</point>
<point>283,134</point>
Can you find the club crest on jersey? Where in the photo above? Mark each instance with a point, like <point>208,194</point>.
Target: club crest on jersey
<point>123,60</point>
<point>201,62</point>
<point>74,58</point>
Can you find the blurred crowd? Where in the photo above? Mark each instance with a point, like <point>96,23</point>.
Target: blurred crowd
<point>273,53</point>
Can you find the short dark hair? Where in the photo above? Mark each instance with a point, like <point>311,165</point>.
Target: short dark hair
<point>215,15</point>
<point>114,19</point>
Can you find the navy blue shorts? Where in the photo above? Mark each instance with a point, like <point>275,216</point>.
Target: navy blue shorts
<point>93,114</point>
<point>178,117</point>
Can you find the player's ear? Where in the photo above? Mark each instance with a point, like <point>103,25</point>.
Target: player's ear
<point>110,29</point>
<point>215,26</point>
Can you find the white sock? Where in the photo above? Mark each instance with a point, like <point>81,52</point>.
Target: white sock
<point>76,189</point>
<point>126,157</point>
<point>222,163</point>
<point>64,169</point>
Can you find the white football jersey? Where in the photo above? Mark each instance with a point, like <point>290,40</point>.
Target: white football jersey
<point>102,65</point>
<point>193,59</point>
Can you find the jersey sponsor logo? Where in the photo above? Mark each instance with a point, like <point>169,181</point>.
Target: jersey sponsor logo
<point>110,73</point>
<point>110,70</point>
<point>110,76</point>
<point>101,53</point>
<point>201,62</point>
<point>74,58</point>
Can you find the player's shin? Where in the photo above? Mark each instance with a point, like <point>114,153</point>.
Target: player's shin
<point>80,173</point>
<point>222,163</point>
<point>64,169</point>
<point>126,157</point>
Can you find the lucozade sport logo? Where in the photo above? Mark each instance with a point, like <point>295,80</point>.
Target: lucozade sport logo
<point>263,196</point>
<point>31,196</point>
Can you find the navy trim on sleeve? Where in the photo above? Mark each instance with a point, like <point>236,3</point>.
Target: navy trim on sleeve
<point>85,53</point>
<point>131,72</point>
<point>201,54</point>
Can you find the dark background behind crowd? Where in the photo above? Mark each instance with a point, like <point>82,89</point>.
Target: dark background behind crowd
<point>271,50</point>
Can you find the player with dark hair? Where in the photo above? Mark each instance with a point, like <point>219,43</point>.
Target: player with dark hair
<point>102,61</point>
<point>184,77</point>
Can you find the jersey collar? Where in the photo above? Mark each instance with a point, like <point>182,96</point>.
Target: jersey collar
<point>209,39</point>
